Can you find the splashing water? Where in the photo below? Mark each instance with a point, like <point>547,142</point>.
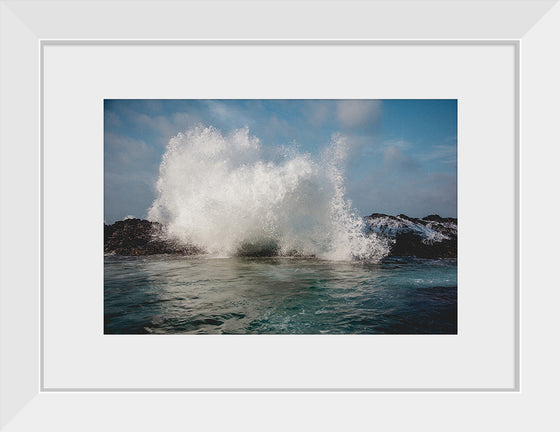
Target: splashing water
<point>231,196</point>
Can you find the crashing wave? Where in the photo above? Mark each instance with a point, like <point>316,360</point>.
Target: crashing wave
<point>229,195</point>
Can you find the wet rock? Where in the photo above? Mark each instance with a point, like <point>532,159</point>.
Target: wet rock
<point>411,244</point>
<point>263,248</point>
<point>429,237</point>
<point>136,237</point>
<point>438,218</point>
<point>432,236</point>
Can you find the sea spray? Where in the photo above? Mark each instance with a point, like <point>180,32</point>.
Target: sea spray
<point>232,196</point>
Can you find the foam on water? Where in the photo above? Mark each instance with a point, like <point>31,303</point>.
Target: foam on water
<point>231,195</point>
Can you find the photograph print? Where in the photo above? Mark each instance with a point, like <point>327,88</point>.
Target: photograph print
<point>280,216</point>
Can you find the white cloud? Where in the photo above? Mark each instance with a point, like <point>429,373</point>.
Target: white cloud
<point>111,119</point>
<point>399,143</point>
<point>220,110</point>
<point>394,157</point>
<point>228,115</point>
<point>165,127</point>
<point>443,153</point>
<point>354,113</point>
<point>122,152</point>
<point>318,112</point>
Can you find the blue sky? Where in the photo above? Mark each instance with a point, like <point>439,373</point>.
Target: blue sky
<point>403,153</point>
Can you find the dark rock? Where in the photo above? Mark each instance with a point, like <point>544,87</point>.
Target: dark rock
<point>429,237</point>
<point>141,237</point>
<point>438,218</point>
<point>411,244</point>
<point>380,215</point>
<point>263,248</point>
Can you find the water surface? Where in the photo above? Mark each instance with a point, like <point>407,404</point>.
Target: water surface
<point>200,295</point>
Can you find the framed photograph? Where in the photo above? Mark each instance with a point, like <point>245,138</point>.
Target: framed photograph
<point>254,216</point>
<point>205,208</point>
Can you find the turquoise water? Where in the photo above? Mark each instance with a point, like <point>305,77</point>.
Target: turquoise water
<point>200,295</point>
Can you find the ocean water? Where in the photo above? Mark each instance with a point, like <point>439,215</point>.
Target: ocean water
<point>209,295</point>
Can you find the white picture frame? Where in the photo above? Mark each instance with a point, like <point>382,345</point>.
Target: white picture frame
<point>531,26</point>
<point>485,342</point>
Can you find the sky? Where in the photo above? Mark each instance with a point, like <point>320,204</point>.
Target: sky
<point>402,158</point>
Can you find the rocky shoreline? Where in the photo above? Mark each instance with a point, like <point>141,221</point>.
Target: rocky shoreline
<point>136,237</point>
<point>428,237</point>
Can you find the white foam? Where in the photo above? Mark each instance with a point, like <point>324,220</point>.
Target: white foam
<point>224,192</point>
